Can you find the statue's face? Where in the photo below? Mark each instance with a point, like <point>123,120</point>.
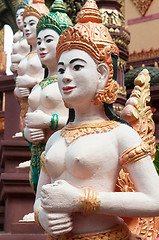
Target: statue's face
<point>30,23</point>
<point>47,40</point>
<point>19,18</point>
<point>77,77</point>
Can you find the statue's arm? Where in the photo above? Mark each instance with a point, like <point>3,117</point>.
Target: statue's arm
<point>142,203</point>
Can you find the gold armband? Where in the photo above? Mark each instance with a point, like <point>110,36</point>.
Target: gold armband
<point>89,201</point>
<point>134,154</point>
<point>42,162</point>
<point>36,216</point>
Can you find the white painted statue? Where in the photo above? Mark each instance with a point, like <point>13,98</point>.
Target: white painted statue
<point>47,112</point>
<point>76,196</point>
<point>30,70</point>
<point>20,47</point>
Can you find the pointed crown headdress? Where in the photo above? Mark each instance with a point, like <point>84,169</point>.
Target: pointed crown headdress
<point>57,19</point>
<point>21,4</point>
<point>37,9</point>
<point>90,35</point>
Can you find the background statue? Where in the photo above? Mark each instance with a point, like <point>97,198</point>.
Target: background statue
<point>30,71</point>
<point>83,159</point>
<point>8,9</point>
<point>20,46</point>
<point>46,112</point>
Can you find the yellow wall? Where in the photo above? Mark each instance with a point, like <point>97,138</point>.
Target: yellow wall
<point>144,35</point>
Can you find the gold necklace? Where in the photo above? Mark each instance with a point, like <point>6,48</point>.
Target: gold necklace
<point>46,81</point>
<point>73,132</point>
<point>31,54</point>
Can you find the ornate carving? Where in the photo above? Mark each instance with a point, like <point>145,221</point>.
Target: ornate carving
<point>122,9</point>
<point>139,115</point>
<point>73,132</point>
<point>73,7</point>
<point>134,154</point>
<point>112,17</point>
<point>57,19</point>
<point>142,5</point>
<point>144,54</point>
<point>122,91</point>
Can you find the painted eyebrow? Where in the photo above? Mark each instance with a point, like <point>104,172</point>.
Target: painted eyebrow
<point>45,37</point>
<point>49,36</point>
<point>77,59</point>
<point>73,60</point>
<point>60,63</point>
<point>30,21</point>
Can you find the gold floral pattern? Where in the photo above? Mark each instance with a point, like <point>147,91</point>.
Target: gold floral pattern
<point>73,132</point>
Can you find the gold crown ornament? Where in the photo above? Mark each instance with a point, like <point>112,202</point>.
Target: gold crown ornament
<point>21,4</point>
<point>36,9</point>
<point>90,35</point>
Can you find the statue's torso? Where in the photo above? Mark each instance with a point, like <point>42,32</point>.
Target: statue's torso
<point>48,100</point>
<point>31,66</point>
<point>93,161</point>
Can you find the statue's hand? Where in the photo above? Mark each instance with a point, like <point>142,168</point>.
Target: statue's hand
<point>14,68</point>
<point>55,223</point>
<point>37,119</point>
<point>25,81</point>
<point>60,197</point>
<point>33,135</point>
<point>24,92</point>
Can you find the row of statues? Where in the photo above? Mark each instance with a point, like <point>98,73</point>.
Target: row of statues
<point>66,87</point>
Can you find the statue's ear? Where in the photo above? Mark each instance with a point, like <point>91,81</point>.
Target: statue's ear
<point>103,76</point>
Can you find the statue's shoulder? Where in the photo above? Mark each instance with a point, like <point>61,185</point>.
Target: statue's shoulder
<point>17,36</point>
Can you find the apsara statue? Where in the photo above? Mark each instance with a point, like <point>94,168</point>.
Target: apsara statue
<point>76,197</point>
<point>20,47</point>
<point>46,112</point>
<point>30,71</point>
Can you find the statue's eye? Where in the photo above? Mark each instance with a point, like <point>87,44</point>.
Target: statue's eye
<point>61,71</point>
<point>78,67</point>
<point>49,40</point>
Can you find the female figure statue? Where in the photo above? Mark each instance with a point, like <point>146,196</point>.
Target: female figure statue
<point>30,70</point>
<point>46,112</point>
<point>76,196</point>
<point>20,46</point>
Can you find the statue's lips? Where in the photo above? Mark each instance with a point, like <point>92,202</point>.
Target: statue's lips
<point>68,89</point>
<point>28,34</point>
<point>42,55</point>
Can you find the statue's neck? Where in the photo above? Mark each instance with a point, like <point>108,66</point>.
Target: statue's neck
<point>89,113</point>
<point>52,72</point>
<point>33,47</point>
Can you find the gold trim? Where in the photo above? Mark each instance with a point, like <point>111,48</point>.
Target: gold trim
<point>73,132</point>
<point>31,54</point>
<point>134,154</point>
<point>42,163</point>
<point>89,201</point>
<point>36,216</point>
